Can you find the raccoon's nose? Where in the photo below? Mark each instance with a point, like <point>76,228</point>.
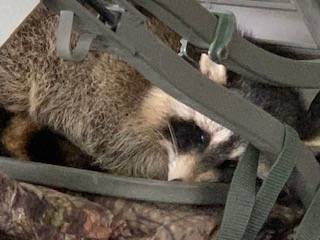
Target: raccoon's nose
<point>177,180</point>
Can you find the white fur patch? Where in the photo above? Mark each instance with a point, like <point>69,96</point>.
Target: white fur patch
<point>213,175</point>
<point>221,136</point>
<point>180,166</point>
<point>237,152</point>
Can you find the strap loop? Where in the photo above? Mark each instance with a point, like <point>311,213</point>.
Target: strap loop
<point>64,39</point>
<point>309,228</point>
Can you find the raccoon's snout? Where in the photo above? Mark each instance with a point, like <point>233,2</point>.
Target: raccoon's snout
<point>186,144</point>
<point>185,167</point>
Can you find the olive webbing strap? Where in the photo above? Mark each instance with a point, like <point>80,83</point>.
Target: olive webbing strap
<point>241,197</point>
<point>116,186</point>
<point>202,29</point>
<point>272,186</point>
<point>81,50</point>
<point>309,228</point>
<point>240,204</point>
<point>242,57</point>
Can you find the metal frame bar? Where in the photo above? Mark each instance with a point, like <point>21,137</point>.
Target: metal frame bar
<point>255,4</point>
<point>310,10</point>
<point>268,22</point>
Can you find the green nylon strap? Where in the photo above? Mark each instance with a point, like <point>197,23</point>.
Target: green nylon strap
<point>272,186</point>
<point>246,213</point>
<point>309,228</point>
<point>241,56</point>
<point>177,15</point>
<point>64,38</point>
<point>116,186</point>
<point>241,197</point>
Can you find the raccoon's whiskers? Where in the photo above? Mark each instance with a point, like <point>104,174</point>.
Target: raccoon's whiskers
<point>173,138</point>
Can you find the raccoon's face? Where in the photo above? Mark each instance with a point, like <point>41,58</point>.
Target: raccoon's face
<point>192,156</point>
<point>168,140</point>
<point>196,146</point>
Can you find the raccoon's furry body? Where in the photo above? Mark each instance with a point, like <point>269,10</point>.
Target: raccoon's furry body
<point>89,102</point>
<point>112,113</point>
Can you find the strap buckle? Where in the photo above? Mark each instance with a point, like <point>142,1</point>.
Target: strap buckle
<point>190,53</point>
<point>218,49</point>
<point>64,39</point>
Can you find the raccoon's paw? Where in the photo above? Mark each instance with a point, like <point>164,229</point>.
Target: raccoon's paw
<point>215,72</point>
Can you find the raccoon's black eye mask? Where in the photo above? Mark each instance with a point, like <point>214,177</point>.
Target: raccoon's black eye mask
<point>187,135</point>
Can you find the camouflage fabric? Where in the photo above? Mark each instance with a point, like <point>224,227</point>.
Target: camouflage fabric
<point>30,212</point>
<point>164,221</point>
<point>33,212</point>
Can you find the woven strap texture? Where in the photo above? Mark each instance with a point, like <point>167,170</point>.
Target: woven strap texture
<point>241,197</point>
<point>246,213</point>
<point>309,228</point>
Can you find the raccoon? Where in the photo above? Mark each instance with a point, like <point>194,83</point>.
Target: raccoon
<point>126,125</point>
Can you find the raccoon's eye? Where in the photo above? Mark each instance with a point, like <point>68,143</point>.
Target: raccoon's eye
<point>188,136</point>
<point>203,139</point>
